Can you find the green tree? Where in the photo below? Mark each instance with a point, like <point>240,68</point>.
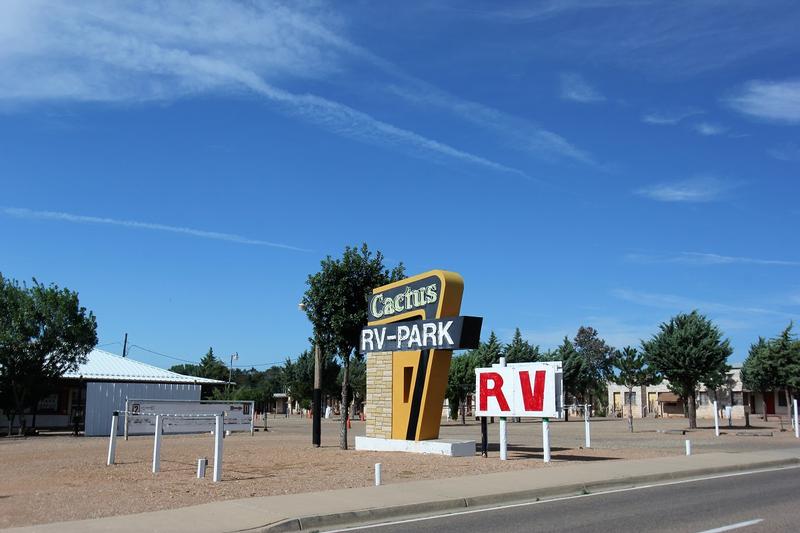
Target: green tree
<point>212,368</point>
<point>687,351</point>
<point>489,352</point>
<point>596,368</point>
<point>336,304</point>
<point>632,372</point>
<point>758,371</point>
<point>460,383</point>
<point>784,351</point>
<point>521,351</point>
<point>44,332</point>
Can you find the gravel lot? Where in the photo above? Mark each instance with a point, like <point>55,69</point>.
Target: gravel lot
<point>58,477</point>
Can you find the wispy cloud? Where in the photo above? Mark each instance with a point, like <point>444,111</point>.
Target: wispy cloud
<point>776,101</point>
<point>703,189</point>
<point>574,87</point>
<point>142,51</point>
<point>676,303</point>
<point>709,129</point>
<point>19,212</point>
<point>698,258</point>
<point>786,152</point>
<point>669,118</point>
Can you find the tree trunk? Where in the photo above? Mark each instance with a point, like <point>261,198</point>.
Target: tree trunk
<point>764,405</point>
<point>692,411</point>
<point>788,401</point>
<point>345,404</point>
<point>630,410</point>
<point>463,412</point>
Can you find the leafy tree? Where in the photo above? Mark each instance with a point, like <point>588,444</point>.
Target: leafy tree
<point>632,372</point>
<point>44,332</point>
<point>212,368</point>
<point>596,368</point>
<point>336,304</point>
<point>460,383</point>
<point>784,351</point>
<point>489,352</point>
<point>521,351</point>
<point>687,351</point>
<point>758,371</point>
<point>186,369</point>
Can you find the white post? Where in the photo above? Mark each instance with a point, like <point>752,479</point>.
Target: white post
<point>377,474</point>
<point>588,430</point>
<point>688,447</point>
<point>546,439</point>
<point>503,434</point>
<point>219,431</point>
<point>125,430</point>
<point>796,427</point>
<point>201,467</point>
<point>112,439</point>
<point>716,419</point>
<point>157,445</point>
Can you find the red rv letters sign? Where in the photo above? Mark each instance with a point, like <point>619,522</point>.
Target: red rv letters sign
<point>525,389</point>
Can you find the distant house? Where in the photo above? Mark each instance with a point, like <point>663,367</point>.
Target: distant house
<point>90,394</point>
<point>658,400</point>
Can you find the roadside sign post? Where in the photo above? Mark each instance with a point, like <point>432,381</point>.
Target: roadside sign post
<point>688,447</point>
<point>219,432</point>
<point>588,430</point>
<point>112,439</point>
<point>484,437</point>
<point>796,427</point>
<point>716,419</point>
<point>546,439</point>
<point>157,445</point>
<point>503,429</point>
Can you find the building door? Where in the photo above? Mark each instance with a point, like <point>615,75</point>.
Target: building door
<point>617,402</point>
<point>651,402</point>
<point>769,399</point>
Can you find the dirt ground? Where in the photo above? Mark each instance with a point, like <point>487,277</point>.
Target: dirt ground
<point>53,478</point>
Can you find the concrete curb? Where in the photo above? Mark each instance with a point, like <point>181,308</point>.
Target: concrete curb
<point>312,522</point>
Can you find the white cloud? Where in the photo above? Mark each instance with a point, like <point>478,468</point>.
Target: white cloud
<point>709,129</point>
<point>704,189</point>
<point>574,87</point>
<point>777,101</point>
<point>140,51</point>
<point>669,118</point>
<point>676,303</point>
<point>82,219</point>
<point>698,258</point>
<point>785,152</point>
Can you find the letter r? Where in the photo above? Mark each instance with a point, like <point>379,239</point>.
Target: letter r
<point>496,390</point>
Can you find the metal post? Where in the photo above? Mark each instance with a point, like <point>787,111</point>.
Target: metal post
<point>546,439</point>
<point>125,429</point>
<point>503,429</point>
<point>157,445</point>
<point>484,437</point>
<point>716,419</point>
<point>688,447</point>
<point>112,439</point>
<point>796,426</point>
<point>202,463</point>
<point>377,474</point>
<point>586,425</point>
<point>219,431</point>
<point>316,407</point>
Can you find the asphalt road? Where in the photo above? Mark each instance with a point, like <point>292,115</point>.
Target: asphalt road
<point>770,498</point>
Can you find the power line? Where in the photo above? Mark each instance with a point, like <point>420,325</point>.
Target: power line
<point>163,354</point>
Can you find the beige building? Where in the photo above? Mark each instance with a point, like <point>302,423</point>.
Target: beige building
<point>658,400</point>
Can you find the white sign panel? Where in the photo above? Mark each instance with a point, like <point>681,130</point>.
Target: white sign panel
<point>522,389</point>
<point>187,416</point>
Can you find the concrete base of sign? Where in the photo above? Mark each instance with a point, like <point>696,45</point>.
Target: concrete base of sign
<point>450,447</point>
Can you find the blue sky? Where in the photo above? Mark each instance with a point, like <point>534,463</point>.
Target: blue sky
<point>185,166</point>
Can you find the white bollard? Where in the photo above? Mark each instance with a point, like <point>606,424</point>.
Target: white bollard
<point>503,428</point>
<point>588,430</point>
<point>219,431</point>
<point>112,439</point>
<point>688,447</point>
<point>796,427</point>
<point>157,445</point>
<point>202,463</point>
<point>716,419</point>
<point>546,439</point>
<point>377,474</point>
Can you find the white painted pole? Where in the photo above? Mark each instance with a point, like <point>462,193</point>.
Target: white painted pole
<point>688,447</point>
<point>796,427</point>
<point>219,431</point>
<point>201,467</point>
<point>503,429</point>
<point>112,439</point>
<point>716,419</point>
<point>157,445</point>
<point>377,474</point>
<point>546,439</point>
<point>125,430</point>
<point>588,430</point>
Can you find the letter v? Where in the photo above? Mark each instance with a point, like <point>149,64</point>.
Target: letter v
<point>533,400</point>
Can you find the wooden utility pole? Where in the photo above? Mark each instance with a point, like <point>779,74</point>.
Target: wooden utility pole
<point>125,346</point>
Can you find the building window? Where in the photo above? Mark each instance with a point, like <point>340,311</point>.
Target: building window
<point>702,398</point>
<point>737,398</point>
<point>630,398</point>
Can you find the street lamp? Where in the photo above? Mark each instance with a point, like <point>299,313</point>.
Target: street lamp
<point>234,357</point>
<point>316,401</point>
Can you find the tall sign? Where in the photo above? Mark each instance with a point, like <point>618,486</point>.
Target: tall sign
<point>417,319</point>
<point>520,389</point>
